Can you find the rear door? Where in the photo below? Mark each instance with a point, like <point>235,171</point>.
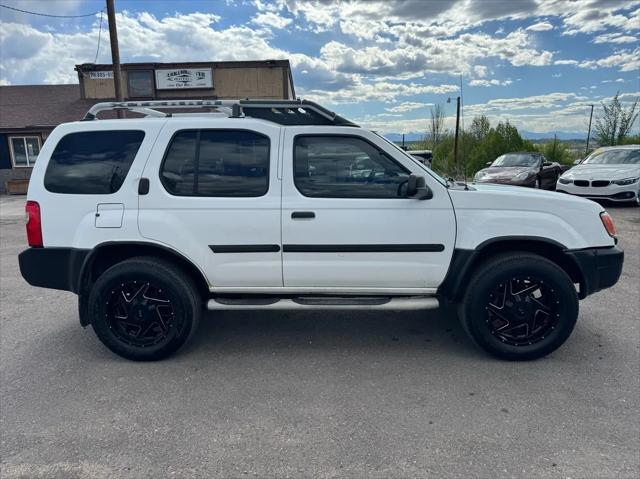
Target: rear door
<point>347,223</point>
<point>214,196</point>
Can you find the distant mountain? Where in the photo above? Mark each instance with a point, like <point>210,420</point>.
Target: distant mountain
<point>562,135</point>
<point>527,135</point>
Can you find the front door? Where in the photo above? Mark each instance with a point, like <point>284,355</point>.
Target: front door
<point>214,196</point>
<point>347,223</point>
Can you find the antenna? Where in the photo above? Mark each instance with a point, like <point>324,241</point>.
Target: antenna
<point>464,156</point>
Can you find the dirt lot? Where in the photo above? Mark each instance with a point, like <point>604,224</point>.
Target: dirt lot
<point>348,394</point>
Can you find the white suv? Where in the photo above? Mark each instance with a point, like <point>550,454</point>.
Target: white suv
<point>285,205</point>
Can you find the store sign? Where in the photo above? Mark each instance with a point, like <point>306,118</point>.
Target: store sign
<point>181,78</point>
<point>100,75</point>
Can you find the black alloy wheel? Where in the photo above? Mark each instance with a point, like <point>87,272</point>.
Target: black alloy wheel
<point>519,306</point>
<point>144,308</point>
<point>522,310</point>
<point>139,313</point>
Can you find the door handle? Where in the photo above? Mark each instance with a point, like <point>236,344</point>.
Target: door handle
<point>143,186</point>
<point>299,215</point>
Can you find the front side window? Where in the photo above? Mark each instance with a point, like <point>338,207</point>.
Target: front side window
<point>92,162</point>
<point>222,163</point>
<point>24,150</point>
<point>346,167</point>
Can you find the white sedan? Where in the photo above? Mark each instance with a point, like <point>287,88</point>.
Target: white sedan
<point>611,173</point>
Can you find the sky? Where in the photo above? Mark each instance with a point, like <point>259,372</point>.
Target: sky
<point>538,64</point>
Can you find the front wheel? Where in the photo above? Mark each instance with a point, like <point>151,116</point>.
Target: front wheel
<point>144,309</point>
<point>519,306</point>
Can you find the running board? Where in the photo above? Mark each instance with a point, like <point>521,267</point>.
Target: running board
<point>397,303</point>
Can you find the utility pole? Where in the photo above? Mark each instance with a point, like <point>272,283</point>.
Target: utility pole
<point>455,140</point>
<point>586,151</point>
<point>115,52</point>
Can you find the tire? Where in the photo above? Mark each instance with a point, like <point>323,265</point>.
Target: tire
<point>144,309</point>
<point>523,326</point>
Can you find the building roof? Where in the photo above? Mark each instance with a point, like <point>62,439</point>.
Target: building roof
<point>38,106</point>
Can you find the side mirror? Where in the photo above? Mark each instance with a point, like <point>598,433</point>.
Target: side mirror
<point>546,163</point>
<point>417,188</point>
<point>488,163</point>
<point>578,161</point>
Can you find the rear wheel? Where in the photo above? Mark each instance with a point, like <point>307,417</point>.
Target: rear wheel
<point>519,306</point>
<point>144,309</point>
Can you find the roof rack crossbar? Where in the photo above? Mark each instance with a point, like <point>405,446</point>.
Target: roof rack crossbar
<point>308,112</point>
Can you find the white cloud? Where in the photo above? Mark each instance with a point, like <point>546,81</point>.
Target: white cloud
<point>565,62</point>
<point>378,91</point>
<point>480,71</point>
<point>408,106</point>
<point>492,82</point>
<point>540,27</point>
<point>536,102</point>
<point>614,38</point>
<point>271,20</point>
<point>617,80</point>
<point>625,60</point>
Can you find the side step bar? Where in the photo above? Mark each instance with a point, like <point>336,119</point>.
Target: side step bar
<point>396,303</point>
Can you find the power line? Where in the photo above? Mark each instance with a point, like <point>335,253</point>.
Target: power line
<point>99,35</point>
<point>47,14</point>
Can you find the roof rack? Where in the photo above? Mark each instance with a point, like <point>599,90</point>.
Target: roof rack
<point>283,112</point>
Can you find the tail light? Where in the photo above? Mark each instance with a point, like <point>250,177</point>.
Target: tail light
<point>607,221</point>
<point>34,225</point>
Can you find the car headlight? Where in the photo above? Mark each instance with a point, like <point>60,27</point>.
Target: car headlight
<point>564,181</point>
<point>480,175</point>
<point>524,175</point>
<point>624,182</point>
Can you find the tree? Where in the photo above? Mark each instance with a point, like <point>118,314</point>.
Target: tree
<point>555,150</point>
<point>615,123</point>
<point>436,126</point>
<point>480,127</point>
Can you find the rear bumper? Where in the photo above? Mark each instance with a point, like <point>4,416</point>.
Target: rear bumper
<point>55,268</point>
<point>600,267</point>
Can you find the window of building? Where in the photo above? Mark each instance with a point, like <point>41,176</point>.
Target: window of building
<point>24,150</point>
<point>346,167</point>
<point>222,163</point>
<point>140,83</point>
<point>92,162</point>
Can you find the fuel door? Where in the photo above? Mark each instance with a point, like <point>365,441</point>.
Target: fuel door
<point>109,215</point>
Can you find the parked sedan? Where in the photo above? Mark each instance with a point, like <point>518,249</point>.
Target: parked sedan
<point>611,173</point>
<point>521,169</point>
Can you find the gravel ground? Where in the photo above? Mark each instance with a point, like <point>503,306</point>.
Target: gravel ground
<point>367,394</point>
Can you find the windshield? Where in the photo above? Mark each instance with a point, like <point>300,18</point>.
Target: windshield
<point>415,160</point>
<point>614,157</point>
<point>517,159</point>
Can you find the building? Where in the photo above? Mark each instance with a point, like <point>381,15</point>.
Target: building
<point>28,113</point>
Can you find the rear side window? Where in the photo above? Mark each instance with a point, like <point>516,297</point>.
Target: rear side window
<point>92,162</point>
<point>219,163</point>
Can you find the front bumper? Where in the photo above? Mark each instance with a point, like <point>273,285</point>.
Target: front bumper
<point>530,182</point>
<point>600,267</point>
<point>611,192</point>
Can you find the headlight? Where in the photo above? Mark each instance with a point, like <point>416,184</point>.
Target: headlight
<point>524,175</point>
<point>626,181</point>
<point>480,175</point>
<point>564,181</point>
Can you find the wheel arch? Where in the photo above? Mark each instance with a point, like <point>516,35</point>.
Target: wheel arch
<point>105,255</point>
<point>465,262</point>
